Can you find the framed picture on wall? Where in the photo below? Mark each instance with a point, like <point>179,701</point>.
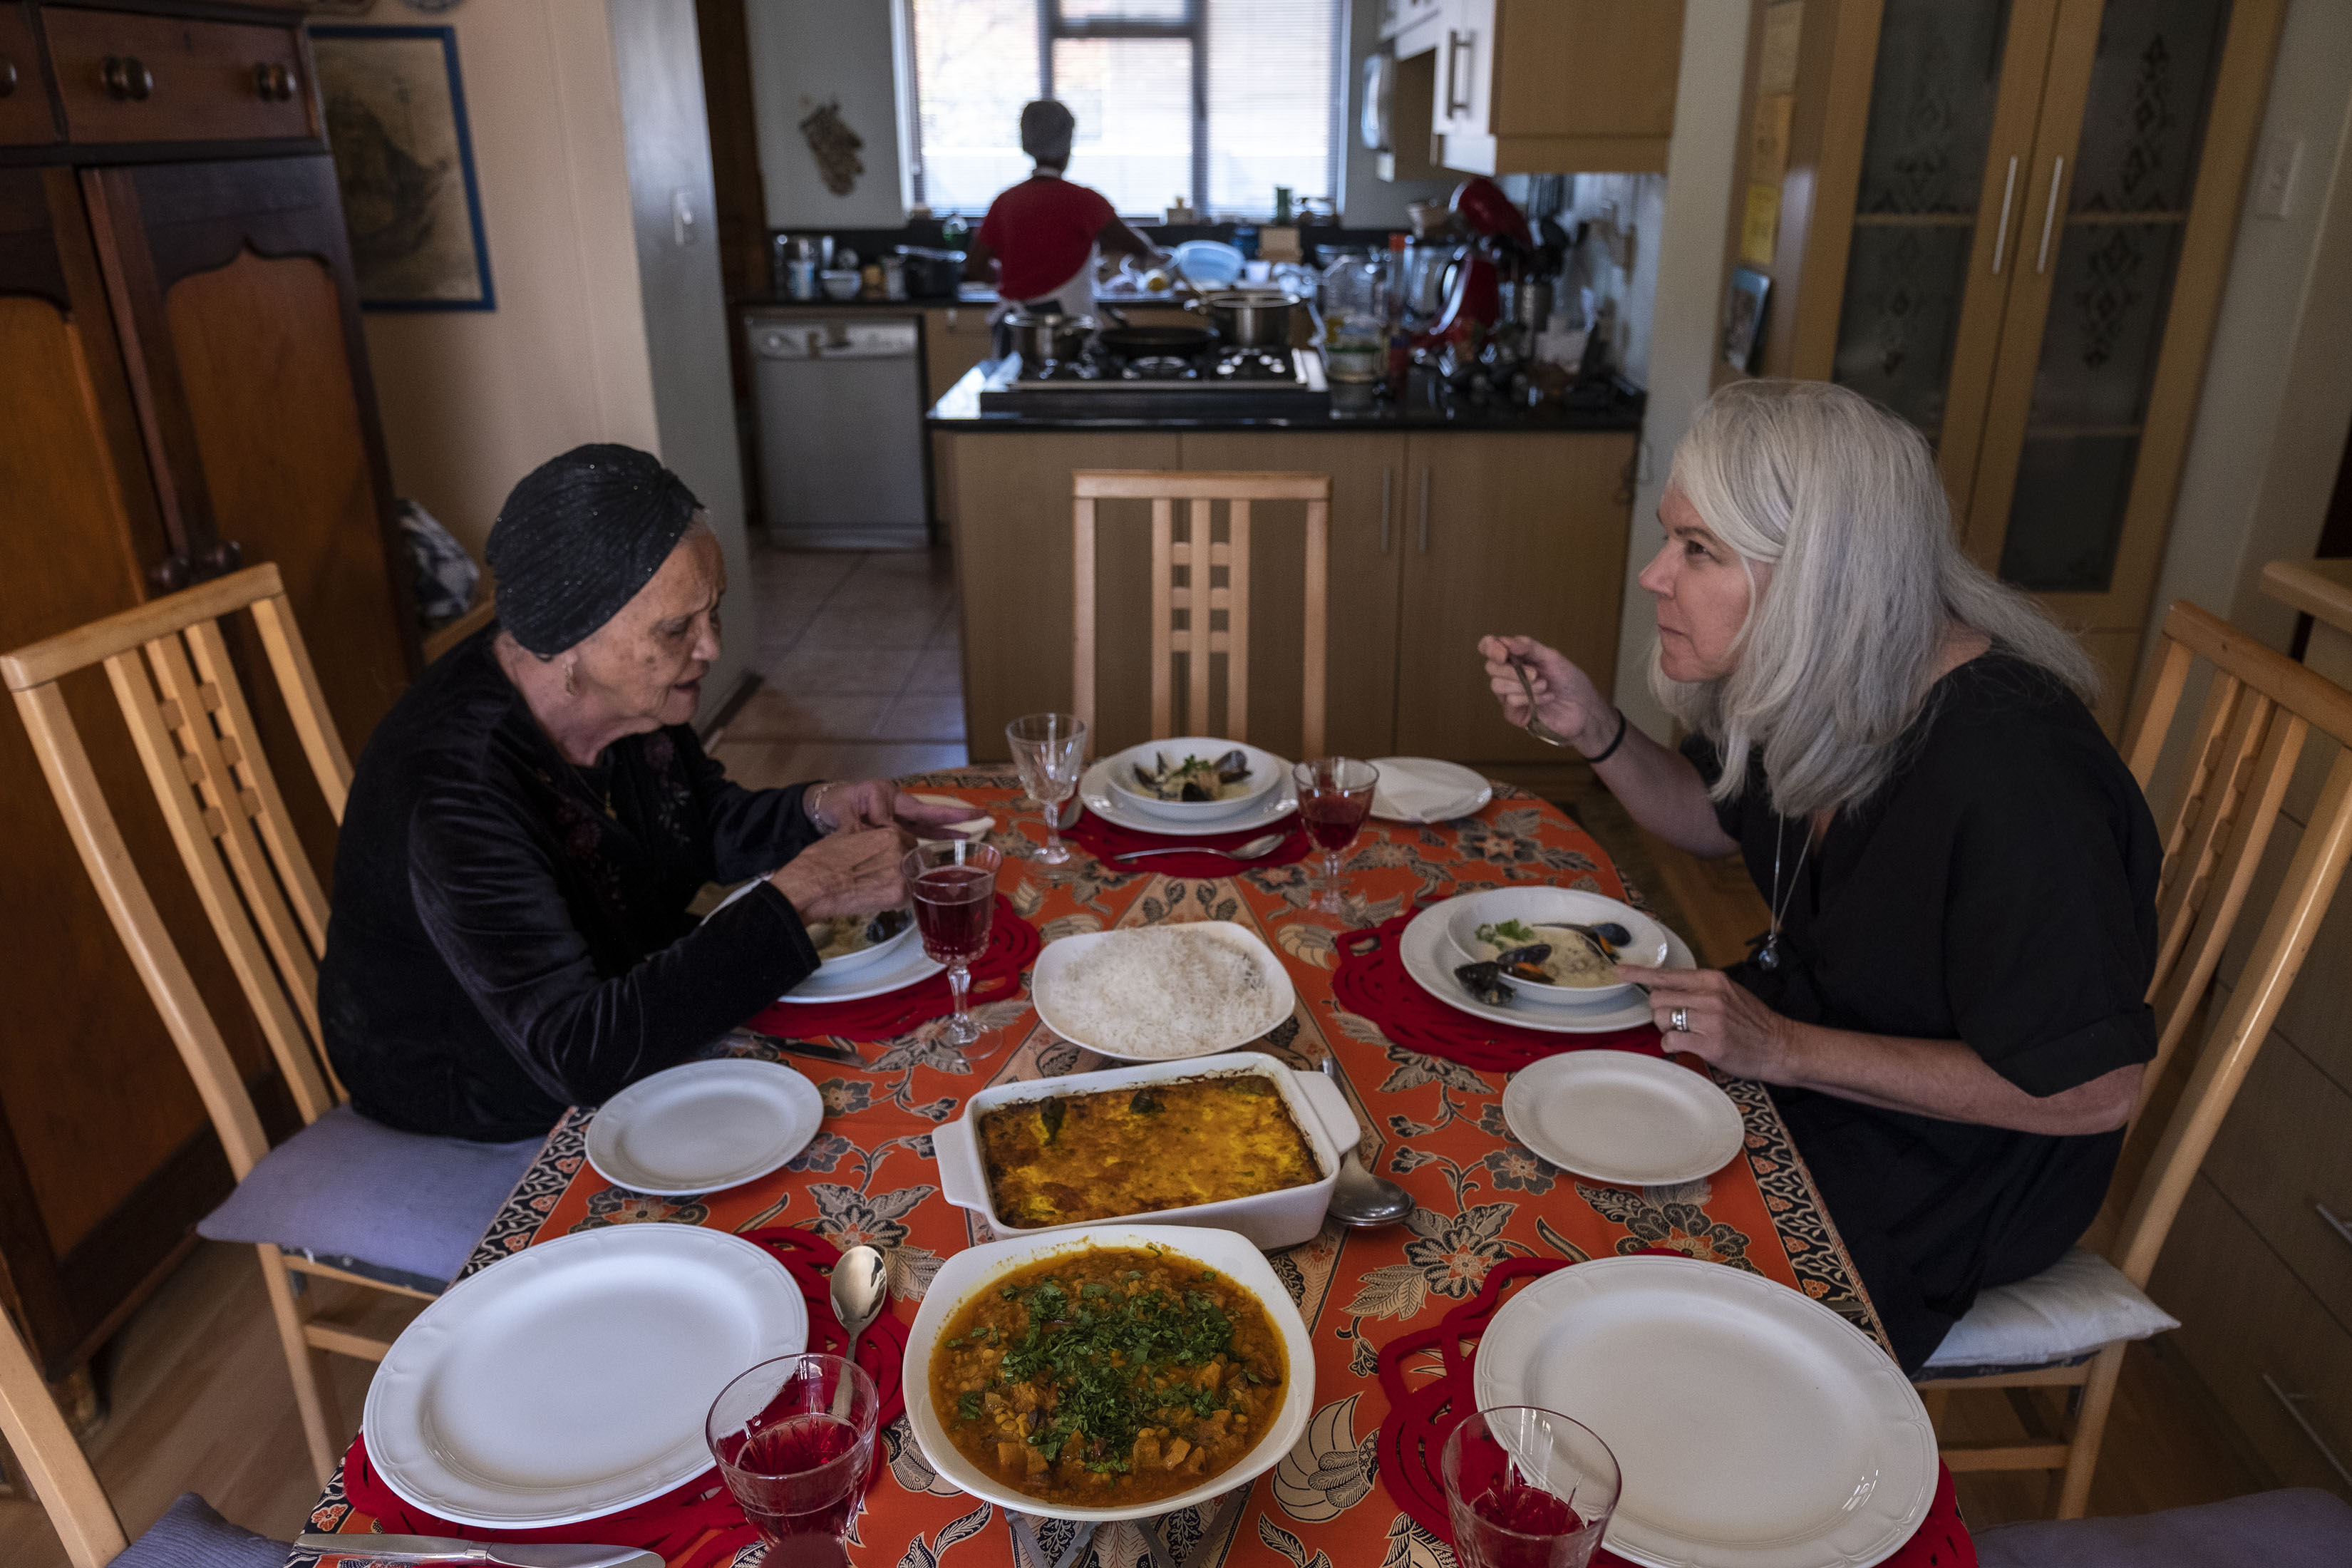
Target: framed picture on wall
<point>1743,317</point>
<point>396,122</point>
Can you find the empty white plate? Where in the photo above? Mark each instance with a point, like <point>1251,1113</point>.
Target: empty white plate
<point>703,1126</point>
<point>1618,1116</point>
<point>571,1380</point>
<point>1424,789</point>
<point>1756,1427</point>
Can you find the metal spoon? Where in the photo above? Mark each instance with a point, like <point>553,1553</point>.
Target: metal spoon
<point>861,1289</point>
<point>1359,1197</point>
<point>1257,848</point>
<point>1535,726</point>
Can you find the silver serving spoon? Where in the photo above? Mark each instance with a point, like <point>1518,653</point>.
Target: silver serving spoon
<point>1257,848</point>
<point>1535,726</point>
<point>860,1290</point>
<point>1359,1197</point>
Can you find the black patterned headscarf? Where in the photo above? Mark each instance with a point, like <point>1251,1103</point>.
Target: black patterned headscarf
<point>577,538</point>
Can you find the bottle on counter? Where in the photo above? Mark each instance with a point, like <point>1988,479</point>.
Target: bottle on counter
<point>954,233</point>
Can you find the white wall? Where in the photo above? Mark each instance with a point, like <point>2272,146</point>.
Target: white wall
<point>473,400</point>
<point>2277,399</point>
<point>809,52</point>
<point>658,62</point>
<point>1686,246</point>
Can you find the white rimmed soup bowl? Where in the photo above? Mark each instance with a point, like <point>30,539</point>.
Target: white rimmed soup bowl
<point>1555,906</point>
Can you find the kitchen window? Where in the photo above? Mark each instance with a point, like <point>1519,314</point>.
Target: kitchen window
<point>1216,102</point>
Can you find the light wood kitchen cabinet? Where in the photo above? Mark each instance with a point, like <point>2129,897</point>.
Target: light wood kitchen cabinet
<point>2010,221</point>
<point>1554,86</point>
<point>1504,533</point>
<point>1521,532</point>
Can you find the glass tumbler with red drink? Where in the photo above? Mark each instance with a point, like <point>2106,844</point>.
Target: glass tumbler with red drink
<point>794,1441</point>
<point>1526,1489</point>
<point>954,887</point>
<point>1335,795</point>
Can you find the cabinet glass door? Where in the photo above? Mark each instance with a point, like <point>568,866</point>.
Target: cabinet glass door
<point>1938,79</point>
<point>2111,256</point>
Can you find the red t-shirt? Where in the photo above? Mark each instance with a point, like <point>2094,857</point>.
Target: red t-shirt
<point>1042,231</point>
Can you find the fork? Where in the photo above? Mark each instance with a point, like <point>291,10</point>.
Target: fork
<point>1535,726</point>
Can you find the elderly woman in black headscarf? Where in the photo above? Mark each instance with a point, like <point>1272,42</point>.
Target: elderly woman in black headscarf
<point>528,823</point>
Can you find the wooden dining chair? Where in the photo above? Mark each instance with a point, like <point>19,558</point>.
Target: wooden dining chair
<point>2067,1328</point>
<point>78,1506</point>
<point>1186,610</point>
<point>389,1213</point>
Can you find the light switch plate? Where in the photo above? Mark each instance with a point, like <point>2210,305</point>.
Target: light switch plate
<point>2274,176</point>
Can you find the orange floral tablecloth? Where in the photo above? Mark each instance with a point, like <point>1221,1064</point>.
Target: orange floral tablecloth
<point>1432,1124</point>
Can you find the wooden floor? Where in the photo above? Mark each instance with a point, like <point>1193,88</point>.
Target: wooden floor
<point>198,1391</point>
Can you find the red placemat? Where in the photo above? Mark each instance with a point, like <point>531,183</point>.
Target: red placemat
<point>1104,839</point>
<point>1420,1415</point>
<point>1372,982</point>
<point>1013,946</point>
<point>697,1523</point>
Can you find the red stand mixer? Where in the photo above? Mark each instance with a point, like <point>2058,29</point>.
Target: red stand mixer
<point>1500,240</point>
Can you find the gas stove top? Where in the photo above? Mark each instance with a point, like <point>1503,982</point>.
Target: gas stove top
<point>1254,382</point>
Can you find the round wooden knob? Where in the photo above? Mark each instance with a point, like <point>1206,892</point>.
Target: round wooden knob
<point>125,77</point>
<point>225,555</point>
<point>169,574</point>
<point>8,76</point>
<point>273,82</point>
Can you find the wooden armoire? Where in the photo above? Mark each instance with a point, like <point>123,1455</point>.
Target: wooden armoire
<point>183,389</point>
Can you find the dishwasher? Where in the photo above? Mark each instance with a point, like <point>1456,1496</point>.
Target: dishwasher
<point>840,407</point>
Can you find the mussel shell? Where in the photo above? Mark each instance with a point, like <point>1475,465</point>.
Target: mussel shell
<point>1534,952</point>
<point>1194,790</point>
<point>1233,766</point>
<point>1149,780</point>
<point>1485,984</point>
<point>885,925</point>
<point>1612,933</point>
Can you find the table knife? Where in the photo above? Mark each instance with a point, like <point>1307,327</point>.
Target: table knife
<point>449,1549</point>
<point>823,1050</point>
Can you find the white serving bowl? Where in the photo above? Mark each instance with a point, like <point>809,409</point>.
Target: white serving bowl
<point>976,1268</point>
<point>1269,1220</point>
<point>847,962</point>
<point>1266,772</point>
<point>839,283</point>
<point>1555,905</point>
<point>1046,983</point>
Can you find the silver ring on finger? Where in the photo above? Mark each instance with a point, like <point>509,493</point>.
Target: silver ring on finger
<point>1679,1020</point>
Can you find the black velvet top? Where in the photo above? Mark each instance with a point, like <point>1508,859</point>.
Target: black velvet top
<point>509,934</point>
<point>1998,890</point>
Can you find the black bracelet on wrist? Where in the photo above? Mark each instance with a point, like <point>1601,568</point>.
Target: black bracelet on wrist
<point>1610,749</point>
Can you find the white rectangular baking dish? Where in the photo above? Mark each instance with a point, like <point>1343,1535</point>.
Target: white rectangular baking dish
<point>1270,1220</point>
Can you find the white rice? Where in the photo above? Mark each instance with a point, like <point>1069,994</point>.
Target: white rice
<point>1163,993</point>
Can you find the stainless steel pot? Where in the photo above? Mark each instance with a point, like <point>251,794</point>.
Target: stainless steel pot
<point>1039,338</point>
<point>1249,318</point>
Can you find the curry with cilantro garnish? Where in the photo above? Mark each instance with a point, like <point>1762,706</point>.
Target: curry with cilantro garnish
<point>1104,1376</point>
<point>1072,1158</point>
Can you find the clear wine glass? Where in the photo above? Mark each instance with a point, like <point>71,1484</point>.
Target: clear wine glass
<point>1526,1489</point>
<point>954,886</point>
<point>1050,750</point>
<point>794,1440</point>
<point>1335,795</point>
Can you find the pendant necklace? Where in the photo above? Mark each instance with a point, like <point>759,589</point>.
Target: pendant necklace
<point>1768,955</point>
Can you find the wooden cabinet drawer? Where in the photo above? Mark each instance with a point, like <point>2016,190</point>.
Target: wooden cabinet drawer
<point>24,119</point>
<point>2285,1153</point>
<point>2256,1335</point>
<point>158,79</point>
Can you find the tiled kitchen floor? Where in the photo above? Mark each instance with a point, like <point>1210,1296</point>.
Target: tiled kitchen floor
<point>860,666</point>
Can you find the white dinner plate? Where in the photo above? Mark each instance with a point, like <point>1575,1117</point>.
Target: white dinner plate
<point>902,968</point>
<point>702,1126</point>
<point>571,1380</point>
<point>1619,1117</point>
<point>895,945</point>
<point>1439,792</point>
<point>1756,1428</point>
<point>1430,957</point>
<point>1046,986</point>
<point>1114,807</point>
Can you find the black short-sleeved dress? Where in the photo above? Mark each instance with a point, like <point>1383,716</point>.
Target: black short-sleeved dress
<point>1999,889</point>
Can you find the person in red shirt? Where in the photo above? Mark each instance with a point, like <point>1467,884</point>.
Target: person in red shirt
<point>1037,242</point>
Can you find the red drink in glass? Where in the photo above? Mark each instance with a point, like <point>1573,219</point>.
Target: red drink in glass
<point>1335,795</point>
<point>953,905</point>
<point>794,1442</point>
<point>791,1516</point>
<point>1333,817</point>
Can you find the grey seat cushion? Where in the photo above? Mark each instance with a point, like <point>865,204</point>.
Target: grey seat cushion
<point>345,1189</point>
<point>191,1535</point>
<point>2304,1528</point>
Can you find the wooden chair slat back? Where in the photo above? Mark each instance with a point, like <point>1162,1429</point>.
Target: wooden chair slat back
<point>1202,597</point>
<point>2258,713</point>
<point>53,1461</point>
<point>192,727</point>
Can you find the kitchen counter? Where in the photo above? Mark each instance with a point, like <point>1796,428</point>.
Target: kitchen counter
<point>1612,406</point>
<point>972,294</point>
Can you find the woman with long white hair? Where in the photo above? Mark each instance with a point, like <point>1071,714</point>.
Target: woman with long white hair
<point>1961,872</point>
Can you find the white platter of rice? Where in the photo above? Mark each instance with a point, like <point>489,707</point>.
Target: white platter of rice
<point>1160,993</point>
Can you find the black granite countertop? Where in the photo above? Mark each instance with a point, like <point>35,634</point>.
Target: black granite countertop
<point>1607,406</point>
<point>973,295</point>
